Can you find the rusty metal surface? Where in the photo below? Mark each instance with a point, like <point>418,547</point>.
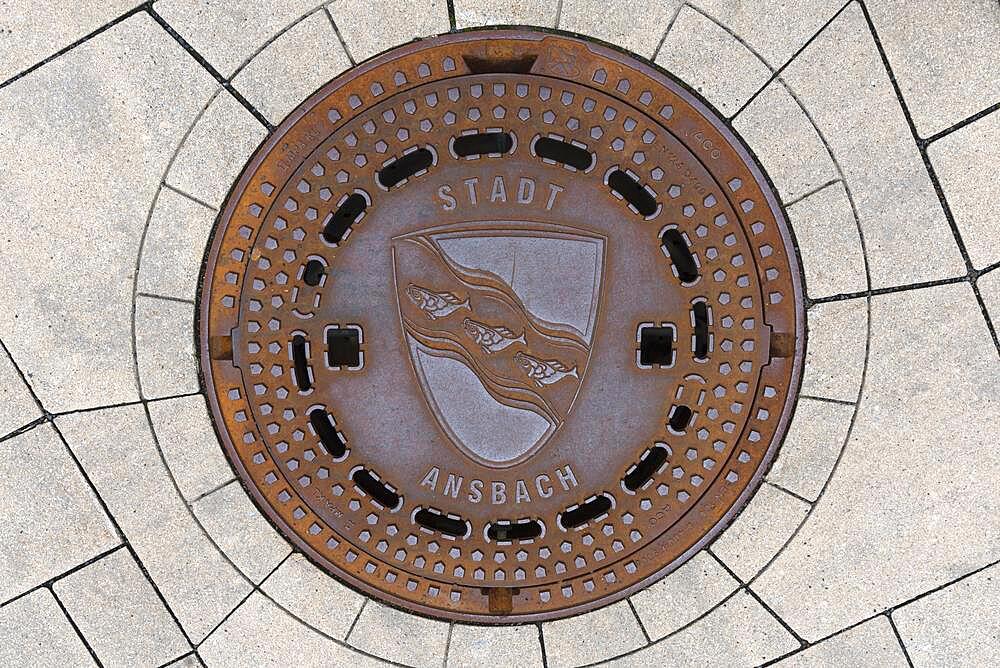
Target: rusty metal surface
<point>501,326</point>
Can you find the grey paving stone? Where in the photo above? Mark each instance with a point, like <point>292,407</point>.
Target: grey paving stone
<point>989,288</point>
<point>830,246</point>
<point>241,531</point>
<point>189,661</point>
<point>759,531</point>
<point>292,66</point>
<point>472,13</point>
<point>117,450</point>
<point>639,27</point>
<point>956,626</point>
<point>909,507</point>
<point>835,352</point>
<point>314,597</point>
<point>710,60</point>
<point>51,519</point>
<point>794,157</point>
<point>230,33</point>
<point>740,632</point>
<point>812,445</point>
<point>943,55</point>
<point>494,646</point>
<point>17,408</point>
<point>870,644</point>
<point>84,142</point>
<point>189,444</point>
<point>966,166</point>
<point>398,636</point>
<point>593,636</point>
<point>260,633</point>
<point>36,633</point>
<point>683,596</point>
<point>164,346</point>
<point>372,26</point>
<point>842,83</point>
<point>174,246</point>
<point>212,155</point>
<point>119,613</point>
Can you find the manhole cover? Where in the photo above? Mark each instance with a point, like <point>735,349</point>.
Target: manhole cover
<point>501,326</point>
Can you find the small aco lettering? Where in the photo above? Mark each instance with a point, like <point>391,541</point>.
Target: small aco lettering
<point>474,191</point>
<point>499,492</point>
<point>704,142</point>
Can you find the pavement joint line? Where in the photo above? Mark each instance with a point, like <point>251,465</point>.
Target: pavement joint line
<point>60,576</point>
<point>817,189</point>
<point>788,492</point>
<point>961,124</point>
<point>541,641</point>
<point>663,38</point>
<point>451,15</point>
<point>842,402</point>
<point>350,630</point>
<point>635,613</point>
<point>167,298</point>
<point>875,292</point>
<point>76,629</point>
<point>180,657</point>
<point>340,37</point>
<point>188,195</point>
<point>899,639</point>
<point>559,8</point>
<point>447,645</point>
<point>274,38</point>
<point>210,492</point>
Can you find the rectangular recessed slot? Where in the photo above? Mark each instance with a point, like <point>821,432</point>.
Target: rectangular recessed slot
<point>376,489</point>
<point>522,530</point>
<point>632,192</point>
<point>513,65</point>
<point>599,505</point>
<point>403,168</point>
<point>301,363</point>
<point>337,223</point>
<point>647,467</point>
<point>343,347</point>
<point>483,143</point>
<point>322,424</point>
<point>656,346</point>
<point>673,241</point>
<point>449,526</point>
<point>679,419</point>
<point>564,152</point>
<point>700,311</point>
<point>501,600</point>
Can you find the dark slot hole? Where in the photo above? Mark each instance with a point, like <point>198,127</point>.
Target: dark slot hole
<point>483,143</point>
<point>322,424</point>
<point>656,345</point>
<point>337,223</point>
<point>700,310</point>
<point>519,65</point>
<point>679,418</point>
<point>525,530</point>
<point>680,255</point>
<point>376,489</point>
<point>633,192</point>
<point>646,468</point>
<point>301,363</point>
<point>405,167</point>
<point>343,347</point>
<point>449,526</point>
<point>564,152</point>
<point>570,519</point>
<point>313,272</point>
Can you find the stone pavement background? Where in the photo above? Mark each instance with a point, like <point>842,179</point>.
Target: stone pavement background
<point>876,537</point>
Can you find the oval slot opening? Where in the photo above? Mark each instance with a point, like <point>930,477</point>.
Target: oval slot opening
<point>700,311</point>
<point>313,271</point>
<point>570,519</point>
<point>679,418</point>
<point>449,526</point>
<point>633,192</point>
<point>520,530</point>
<point>647,467</point>
<point>337,223</point>
<point>483,143</point>
<point>404,167</point>
<point>673,241</point>
<point>301,363</point>
<point>376,489</point>
<point>322,424</point>
<point>564,152</point>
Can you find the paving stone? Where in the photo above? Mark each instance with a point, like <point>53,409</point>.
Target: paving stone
<point>830,246</point>
<point>84,142</point>
<point>117,450</point>
<point>740,632</point>
<point>212,155</point>
<point>118,612</point>
<point>870,644</point>
<point>51,519</point>
<point>174,246</point>
<point>593,636</point>
<point>372,26</point>
<point>835,352</point>
<point>241,531</point>
<point>293,66</point>
<point>189,661</point>
<point>260,633</point>
<point>989,288</point>
<point>966,166</point>
<point>956,626</point>
<point>683,596</point>
<point>795,157</point>
<point>314,597</point>
<point>760,531</point>
<point>842,83</point>
<point>943,55</point>
<point>494,646</point>
<point>709,59</point>
<point>36,633</point>
<point>164,346</point>
<point>17,408</point>
<point>639,28</point>
<point>908,508</point>
<point>472,13</point>
<point>189,444</point>
<point>812,445</point>
<point>228,34</point>
<point>398,636</point>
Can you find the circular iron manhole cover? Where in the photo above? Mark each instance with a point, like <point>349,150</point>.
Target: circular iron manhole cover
<point>501,326</point>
